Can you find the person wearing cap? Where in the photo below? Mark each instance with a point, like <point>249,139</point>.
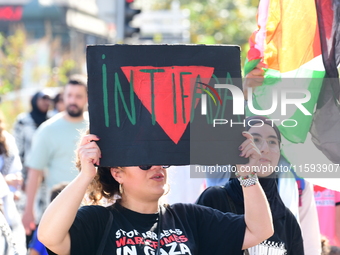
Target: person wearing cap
<point>287,237</point>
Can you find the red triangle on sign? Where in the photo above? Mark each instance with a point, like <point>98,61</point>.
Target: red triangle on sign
<point>167,93</point>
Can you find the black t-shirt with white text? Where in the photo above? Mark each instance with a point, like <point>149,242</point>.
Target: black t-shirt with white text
<point>185,229</point>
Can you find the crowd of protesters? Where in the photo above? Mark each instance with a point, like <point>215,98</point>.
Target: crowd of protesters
<point>38,155</point>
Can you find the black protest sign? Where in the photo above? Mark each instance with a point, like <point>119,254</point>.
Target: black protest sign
<point>144,103</point>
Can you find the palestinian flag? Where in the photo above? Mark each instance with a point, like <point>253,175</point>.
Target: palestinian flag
<point>288,41</point>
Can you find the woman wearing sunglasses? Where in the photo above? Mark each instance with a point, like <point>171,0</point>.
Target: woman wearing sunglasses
<point>287,238</point>
<point>137,224</point>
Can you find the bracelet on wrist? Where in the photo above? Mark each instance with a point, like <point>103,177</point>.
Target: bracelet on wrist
<point>247,180</point>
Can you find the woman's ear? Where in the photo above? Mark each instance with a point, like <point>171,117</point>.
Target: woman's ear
<point>116,173</point>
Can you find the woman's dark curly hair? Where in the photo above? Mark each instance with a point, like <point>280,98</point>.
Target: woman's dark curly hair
<point>110,186</point>
<point>103,185</point>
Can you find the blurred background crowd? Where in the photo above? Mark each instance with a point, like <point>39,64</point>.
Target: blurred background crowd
<point>43,43</point>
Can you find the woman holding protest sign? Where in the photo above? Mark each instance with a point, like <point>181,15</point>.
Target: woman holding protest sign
<point>287,238</point>
<point>137,224</point>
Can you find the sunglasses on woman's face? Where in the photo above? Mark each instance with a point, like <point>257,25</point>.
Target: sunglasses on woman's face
<point>147,167</point>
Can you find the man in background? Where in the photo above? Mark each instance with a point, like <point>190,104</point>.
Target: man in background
<point>52,152</point>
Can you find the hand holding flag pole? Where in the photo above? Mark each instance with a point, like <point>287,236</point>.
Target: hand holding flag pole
<point>254,78</point>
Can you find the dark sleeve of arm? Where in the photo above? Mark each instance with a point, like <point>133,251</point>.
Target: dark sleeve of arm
<point>219,233</point>
<point>87,229</point>
<point>50,252</point>
<point>297,246</point>
<point>214,197</point>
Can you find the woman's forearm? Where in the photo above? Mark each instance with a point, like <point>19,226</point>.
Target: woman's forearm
<point>60,214</point>
<point>257,215</point>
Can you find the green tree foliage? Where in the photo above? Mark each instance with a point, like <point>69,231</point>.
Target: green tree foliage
<point>59,75</point>
<point>13,48</point>
<point>218,21</point>
<point>221,21</point>
<point>11,55</point>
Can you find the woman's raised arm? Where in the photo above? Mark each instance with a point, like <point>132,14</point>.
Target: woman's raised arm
<point>257,212</point>
<point>54,226</point>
